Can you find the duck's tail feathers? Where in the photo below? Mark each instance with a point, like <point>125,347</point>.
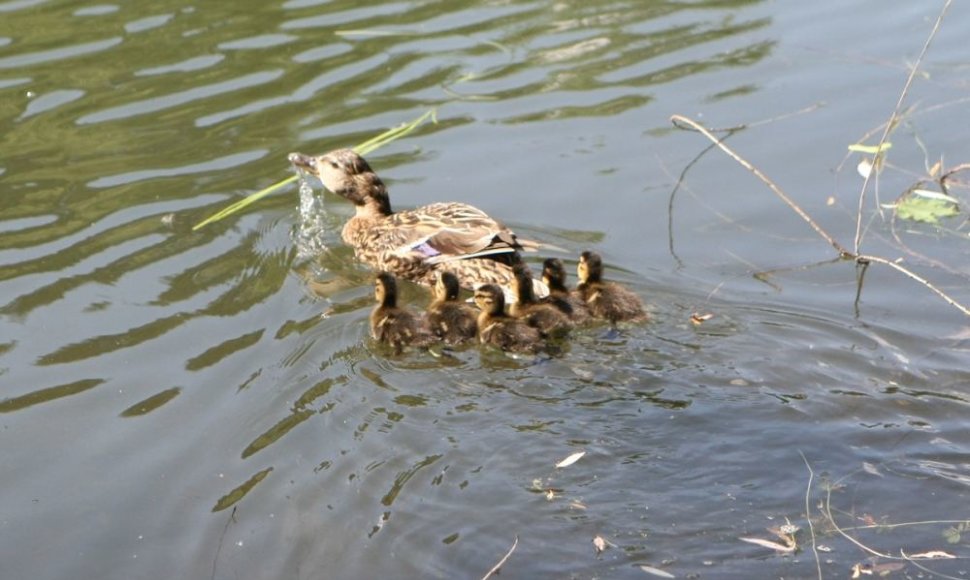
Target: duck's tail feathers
<point>534,246</point>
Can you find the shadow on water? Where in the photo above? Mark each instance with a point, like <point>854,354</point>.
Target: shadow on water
<point>208,404</point>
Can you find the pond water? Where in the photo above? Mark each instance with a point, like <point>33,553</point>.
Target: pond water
<point>206,404</point>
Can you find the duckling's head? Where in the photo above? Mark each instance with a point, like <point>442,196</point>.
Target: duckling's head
<point>522,284</point>
<point>348,175</point>
<point>554,274</point>
<point>489,298</point>
<point>590,267</point>
<point>385,290</point>
<point>446,287</point>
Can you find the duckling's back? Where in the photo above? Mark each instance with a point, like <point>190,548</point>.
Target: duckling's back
<point>452,321</point>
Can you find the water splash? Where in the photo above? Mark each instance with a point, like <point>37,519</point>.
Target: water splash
<point>308,236</point>
<point>310,205</point>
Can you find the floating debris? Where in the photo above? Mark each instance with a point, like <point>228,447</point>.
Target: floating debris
<point>571,459</point>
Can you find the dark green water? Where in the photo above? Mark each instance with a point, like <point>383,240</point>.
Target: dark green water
<point>173,404</point>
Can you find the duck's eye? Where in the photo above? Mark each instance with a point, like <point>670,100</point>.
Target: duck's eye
<point>334,165</point>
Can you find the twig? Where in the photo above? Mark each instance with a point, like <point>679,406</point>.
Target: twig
<point>808,514</point>
<point>680,179</point>
<point>678,119</point>
<point>913,275</point>
<point>498,566</point>
<point>905,524</point>
<point>925,569</point>
<point>862,259</point>
<point>890,125</point>
<point>752,124</point>
<point>827,510</point>
<point>222,537</point>
<point>951,172</point>
<point>828,513</point>
<point>670,202</point>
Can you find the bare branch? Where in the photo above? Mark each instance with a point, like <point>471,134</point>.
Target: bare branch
<point>910,274</point>
<point>498,566</point>
<point>681,120</point>
<point>893,119</point>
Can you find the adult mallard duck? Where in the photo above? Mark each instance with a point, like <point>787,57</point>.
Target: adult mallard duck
<point>545,318</point>
<point>605,299</point>
<point>450,319</point>
<point>392,325</point>
<point>413,244</point>
<point>497,328</point>
<point>554,276</point>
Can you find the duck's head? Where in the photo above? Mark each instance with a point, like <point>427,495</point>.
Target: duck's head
<point>522,284</point>
<point>489,298</point>
<point>590,267</point>
<point>348,175</point>
<point>385,289</point>
<point>554,274</point>
<point>446,286</point>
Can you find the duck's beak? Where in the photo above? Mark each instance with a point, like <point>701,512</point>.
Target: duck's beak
<point>304,163</point>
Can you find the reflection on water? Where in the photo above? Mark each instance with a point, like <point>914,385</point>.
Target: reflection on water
<point>179,403</point>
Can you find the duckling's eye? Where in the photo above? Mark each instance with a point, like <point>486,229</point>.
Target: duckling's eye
<point>334,165</point>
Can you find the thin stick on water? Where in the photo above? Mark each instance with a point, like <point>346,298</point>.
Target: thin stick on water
<point>905,525</point>
<point>913,275</point>
<point>679,119</point>
<point>808,514</point>
<point>925,569</point>
<point>498,566</point>
<point>893,119</point>
<point>827,510</point>
<point>843,252</point>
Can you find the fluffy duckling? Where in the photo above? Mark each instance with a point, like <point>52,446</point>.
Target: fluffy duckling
<point>545,318</point>
<point>392,325</point>
<point>413,244</point>
<point>554,276</point>
<point>605,299</point>
<point>497,328</point>
<point>449,318</point>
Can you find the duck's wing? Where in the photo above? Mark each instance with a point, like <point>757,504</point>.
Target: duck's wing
<point>450,231</point>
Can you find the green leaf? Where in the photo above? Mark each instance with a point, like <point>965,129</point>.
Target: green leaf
<point>923,209</point>
<point>952,535</point>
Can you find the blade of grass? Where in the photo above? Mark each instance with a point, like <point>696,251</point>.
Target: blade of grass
<point>249,200</point>
<point>362,149</point>
<point>393,134</point>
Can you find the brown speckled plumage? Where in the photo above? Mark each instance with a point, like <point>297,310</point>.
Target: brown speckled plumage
<point>606,300</point>
<point>497,328</point>
<point>450,319</point>
<point>545,318</point>
<point>569,303</point>
<point>392,325</point>
<point>414,244</point>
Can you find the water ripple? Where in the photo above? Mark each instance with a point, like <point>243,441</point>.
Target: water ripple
<point>188,65</point>
<point>14,5</point>
<point>55,54</point>
<point>159,375</point>
<point>50,101</point>
<point>156,104</point>
<point>221,163</point>
<point>148,23</point>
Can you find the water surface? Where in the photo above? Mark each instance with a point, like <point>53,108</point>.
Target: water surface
<point>207,404</point>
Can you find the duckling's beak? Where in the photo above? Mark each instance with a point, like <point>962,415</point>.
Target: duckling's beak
<point>304,163</point>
